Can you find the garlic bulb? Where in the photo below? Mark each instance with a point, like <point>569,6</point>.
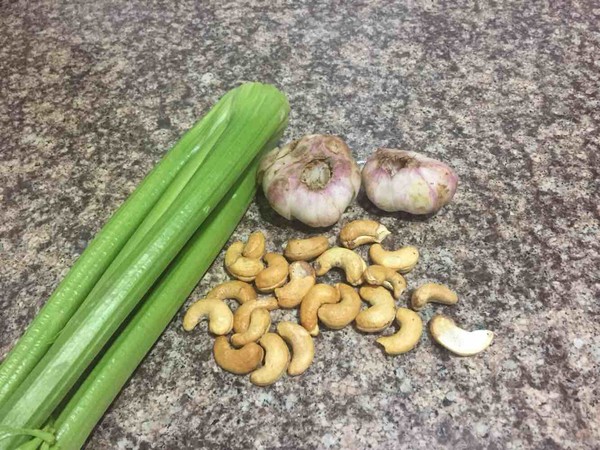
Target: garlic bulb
<point>397,180</point>
<point>312,179</point>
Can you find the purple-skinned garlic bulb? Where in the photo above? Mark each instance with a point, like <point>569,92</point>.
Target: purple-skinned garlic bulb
<point>398,180</point>
<point>312,179</point>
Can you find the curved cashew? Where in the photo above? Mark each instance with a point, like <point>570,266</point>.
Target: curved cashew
<point>241,318</point>
<point>339,315</point>
<point>359,232</point>
<point>461,342</point>
<point>317,296</point>
<point>411,329</point>
<point>386,277</point>
<point>260,322</point>
<point>275,275</point>
<point>302,278</point>
<point>379,316</point>
<point>350,261</point>
<point>239,266</point>
<point>305,249</point>
<point>219,315</point>
<point>238,290</point>
<point>432,292</point>
<point>239,361</point>
<point>303,347</point>
<point>403,260</point>
<point>277,358</point>
<point>255,246</point>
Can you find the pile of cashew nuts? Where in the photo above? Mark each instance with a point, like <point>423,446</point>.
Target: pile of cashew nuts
<point>291,281</point>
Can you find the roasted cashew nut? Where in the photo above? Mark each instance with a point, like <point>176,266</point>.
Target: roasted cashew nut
<point>303,347</point>
<point>241,318</point>
<point>403,260</point>
<point>260,322</point>
<point>407,338</point>
<point>239,361</point>
<point>239,266</point>
<point>277,358</point>
<point>379,316</point>
<point>302,278</point>
<point>255,246</point>
<point>386,277</point>
<point>305,249</point>
<point>359,232</point>
<point>219,315</point>
<point>236,289</point>
<point>351,262</point>
<point>275,275</point>
<point>461,342</point>
<point>318,295</point>
<point>340,314</point>
<point>432,292</point>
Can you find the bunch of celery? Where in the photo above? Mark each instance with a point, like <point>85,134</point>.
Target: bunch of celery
<point>153,251</point>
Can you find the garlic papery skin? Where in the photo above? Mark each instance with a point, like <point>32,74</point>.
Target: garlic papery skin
<point>312,179</point>
<point>398,180</point>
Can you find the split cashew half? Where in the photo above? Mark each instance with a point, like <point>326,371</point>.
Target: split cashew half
<point>302,278</point>
<point>318,295</point>
<point>239,361</point>
<point>277,358</point>
<point>432,292</point>
<point>219,315</point>
<point>239,266</point>
<point>303,347</point>
<point>241,318</point>
<point>260,322</point>
<point>403,260</point>
<point>351,262</point>
<point>255,246</point>
<point>236,289</point>
<point>340,314</point>
<point>461,342</point>
<point>379,316</point>
<point>275,275</point>
<point>384,276</point>
<point>359,232</point>
<point>305,249</point>
<point>407,338</point>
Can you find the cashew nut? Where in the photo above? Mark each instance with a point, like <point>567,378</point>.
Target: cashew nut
<point>461,342</point>
<point>239,266</point>
<point>255,246</point>
<point>241,318</point>
<point>359,232</point>
<point>238,290</point>
<point>305,249</point>
<point>339,315</point>
<point>219,315</point>
<point>403,260</point>
<point>260,322</point>
<point>432,292</point>
<point>386,277</point>
<point>318,295</point>
<point>275,275</point>
<point>351,262</point>
<point>411,329</point>
<point>277,358</point>
<point>239,361</point>
<point>303,348</point>
<point>379,316</point>
<point>302,278</point>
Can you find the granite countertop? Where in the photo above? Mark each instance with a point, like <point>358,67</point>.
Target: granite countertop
<point>93,93</point>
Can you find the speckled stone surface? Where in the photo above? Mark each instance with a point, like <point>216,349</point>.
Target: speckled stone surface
<point>93,93</point>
